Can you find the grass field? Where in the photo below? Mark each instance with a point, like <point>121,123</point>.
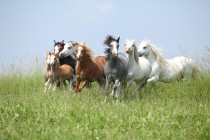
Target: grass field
<point>179,110</point>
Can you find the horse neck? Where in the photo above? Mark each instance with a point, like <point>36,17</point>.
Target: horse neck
<point>67,60</point>
<point>131,60</point>
<point>55,67</point>
<point>48,68</point>
<point>112,60</point>
<point>151,57</point>
<point>84,61</point>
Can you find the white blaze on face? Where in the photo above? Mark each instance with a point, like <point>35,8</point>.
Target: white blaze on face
<point>48,59</point>
<point>52,59</point>
<point>114,49</point>
<point>56,49</point>
<point>128,45</point>
<point>79,52</point>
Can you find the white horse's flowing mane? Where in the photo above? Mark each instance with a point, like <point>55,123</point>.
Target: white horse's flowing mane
<point>158,54</point>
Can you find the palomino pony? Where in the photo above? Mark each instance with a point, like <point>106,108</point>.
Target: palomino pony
<point>139,68</point>
<point>56,73</point>
<point>89,68</point>
<point>116,68</point>
<point>165,70</point>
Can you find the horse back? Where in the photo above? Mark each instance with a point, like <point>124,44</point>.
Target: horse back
<point>68,61</point>
<point>124,61</point>
<point>66,70</point>
<point>101,61</point>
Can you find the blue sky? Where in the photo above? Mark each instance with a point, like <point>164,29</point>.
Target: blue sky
<point>28,27</point>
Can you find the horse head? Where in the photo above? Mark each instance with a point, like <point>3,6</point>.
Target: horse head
<point>52,58</point>
<point>79,52</point>
<point>144,48</point>
<point>48,58</point>
<point>82,51</point>
<point>69,50</point>
<point>58,46</point>
<point>113,45</point>
<point>129,46</point>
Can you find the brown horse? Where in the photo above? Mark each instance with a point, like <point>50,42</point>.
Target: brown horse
<point>89,67</point>
<point>55,73</point>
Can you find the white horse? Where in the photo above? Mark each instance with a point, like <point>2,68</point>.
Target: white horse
<point>139,68</point>
<point>165,70</point>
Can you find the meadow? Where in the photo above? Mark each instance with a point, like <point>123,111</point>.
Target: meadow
<point>177,110</point>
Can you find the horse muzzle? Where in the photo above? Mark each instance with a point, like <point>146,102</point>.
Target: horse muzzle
<point>79,56</point>
<point>127,51</point>
<point>115,54</point>
<point>61,55</point>
<point>140,54</point>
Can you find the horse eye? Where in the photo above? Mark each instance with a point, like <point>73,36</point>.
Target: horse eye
<point>69,47</point>
<point>144,47</point>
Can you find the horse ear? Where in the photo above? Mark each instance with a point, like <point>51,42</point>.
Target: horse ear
<point>54,41</point>
<point>118,40</point>
<point>62,42</point>
<point>48,53</point>
<point>82,43</point>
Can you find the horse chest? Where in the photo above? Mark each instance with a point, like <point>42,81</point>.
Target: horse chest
<point>81,75</point>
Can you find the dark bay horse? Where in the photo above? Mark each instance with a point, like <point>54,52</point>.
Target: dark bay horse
<point>89,67</point>
<point>116,68</point>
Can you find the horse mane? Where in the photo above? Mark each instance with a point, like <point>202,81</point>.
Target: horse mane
<point>109,39</point>
<point>88,50</point>
<point>73,43</point>
<point>158,54</point>
<point>136,56</point>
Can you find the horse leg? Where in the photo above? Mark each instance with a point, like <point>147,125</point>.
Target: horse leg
<point>100,83</point>
<point>77,85</point>
<point>83,85</point>
<point>119,89</point>
<point>55,87</point>
<point>58,84</point>
<point>115,87</point>
<point>107,86</point>
<point>47,83</point>
<point>71,83</point>
<point>140,86</point>
<point>153,79</point>
<point>65,85</point>
<point>128,87</point>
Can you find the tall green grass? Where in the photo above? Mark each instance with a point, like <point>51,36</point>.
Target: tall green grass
<point>178,110</point>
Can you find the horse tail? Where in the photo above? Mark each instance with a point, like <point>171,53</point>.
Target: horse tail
<point>195,69</point>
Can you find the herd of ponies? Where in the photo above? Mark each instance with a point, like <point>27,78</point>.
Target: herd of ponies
<point>75,62</point>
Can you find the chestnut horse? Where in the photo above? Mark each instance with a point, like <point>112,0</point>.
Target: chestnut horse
<point>89,67</point>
